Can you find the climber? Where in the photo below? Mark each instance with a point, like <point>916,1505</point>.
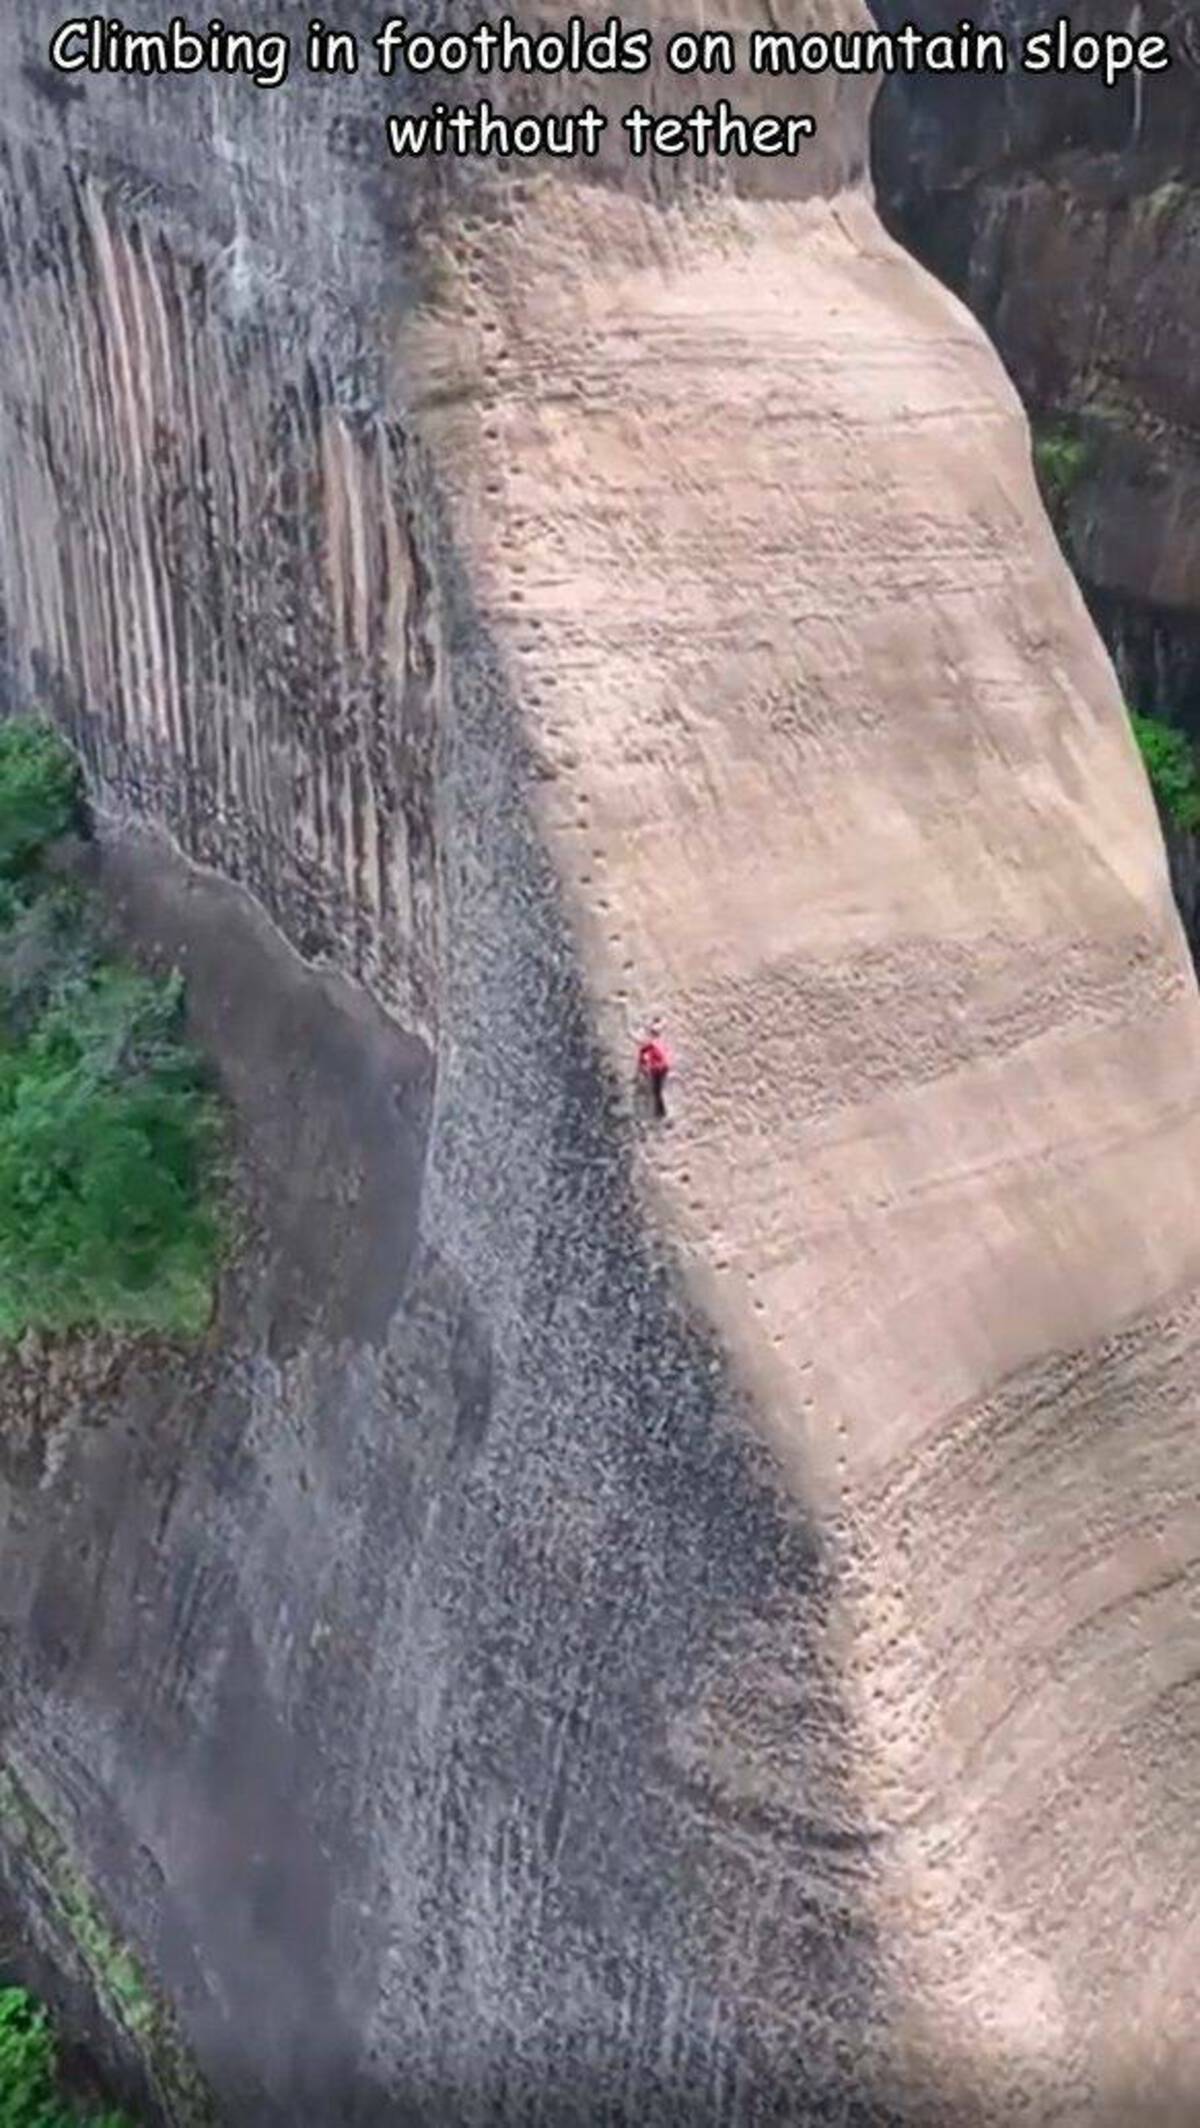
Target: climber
<point>653,1065</point>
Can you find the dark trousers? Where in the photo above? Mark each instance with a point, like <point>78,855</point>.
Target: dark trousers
<point>658,1080</point>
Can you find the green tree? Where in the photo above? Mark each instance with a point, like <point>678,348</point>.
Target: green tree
<point>41,794</point>
<point>1171,766</point>
<point>108,1134</point>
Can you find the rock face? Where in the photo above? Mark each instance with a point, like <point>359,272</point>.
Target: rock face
<point>1067,216</point>
<point>689,1627</point>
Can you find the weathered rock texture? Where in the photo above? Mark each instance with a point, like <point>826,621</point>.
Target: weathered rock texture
<point>697,1628</point>
<point>1068,216</point>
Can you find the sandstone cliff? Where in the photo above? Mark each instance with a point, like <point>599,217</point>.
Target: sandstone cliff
<point>684,1629</point>
<point>1068,217</point>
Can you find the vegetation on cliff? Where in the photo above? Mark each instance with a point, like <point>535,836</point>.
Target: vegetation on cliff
<point>29,2084</point>
<point>1061,457</point>
<point>1171,766</point>
<point>108,1132</point>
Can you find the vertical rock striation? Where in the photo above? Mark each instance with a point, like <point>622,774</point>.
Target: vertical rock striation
<point>688,1629</point>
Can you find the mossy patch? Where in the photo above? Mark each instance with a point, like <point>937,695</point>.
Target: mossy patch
<point>85,1939</point>
<point>30,2091</point>
<point>1062,457</point>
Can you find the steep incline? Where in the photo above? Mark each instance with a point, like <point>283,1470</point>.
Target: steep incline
<point>697,1628</point>
<point>841,779</point>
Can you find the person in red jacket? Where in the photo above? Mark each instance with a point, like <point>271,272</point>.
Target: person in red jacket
<point>653,1065</point>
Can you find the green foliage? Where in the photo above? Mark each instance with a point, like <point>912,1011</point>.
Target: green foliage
<point>108,1136</point>
<point>1061,458</point>
<point>41,794</point>
<point>29,2095</point>
<point>1171,766</point>
<point>88,1938</point>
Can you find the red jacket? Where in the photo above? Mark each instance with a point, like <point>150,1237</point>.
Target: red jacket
<point>652,1057</point>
